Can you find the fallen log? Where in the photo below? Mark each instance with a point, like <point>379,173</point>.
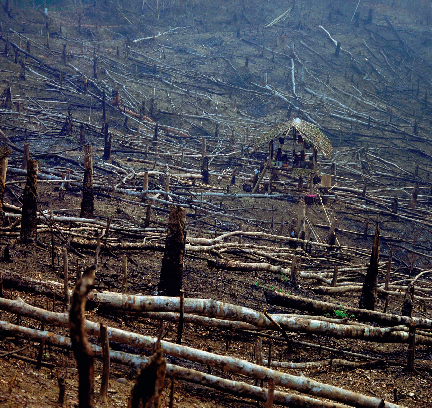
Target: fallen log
<point>316,306</point>
<point>237,388</point>
<point>233,365</point>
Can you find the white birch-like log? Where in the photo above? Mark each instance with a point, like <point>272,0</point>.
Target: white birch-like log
<point>233,387</point>
<point>235,365</point>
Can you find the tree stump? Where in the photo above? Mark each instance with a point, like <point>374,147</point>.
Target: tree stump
<point>171,276</point>
<point>87,203</point>
<point>29,208</point>
<point>369,291</point>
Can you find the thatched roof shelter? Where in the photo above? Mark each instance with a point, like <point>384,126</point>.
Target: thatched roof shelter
<point>309,132</point>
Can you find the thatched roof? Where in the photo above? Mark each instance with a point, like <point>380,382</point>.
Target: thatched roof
<point>309,132</point>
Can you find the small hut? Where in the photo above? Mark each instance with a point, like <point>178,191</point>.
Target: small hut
<point>305,138</point>
<point>294,146</point>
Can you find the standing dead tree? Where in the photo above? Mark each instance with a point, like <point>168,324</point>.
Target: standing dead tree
<point>87,203</point>
<point>80,345</point>
<point>4,153</point>
<point>29,208</point>
<point>369,292</point>
<point>171,276</point>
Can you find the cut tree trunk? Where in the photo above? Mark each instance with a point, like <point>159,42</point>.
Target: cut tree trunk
<point>29,209</point>
<point>369,291</point>
<point>87,204</point>
<point>171,276</point>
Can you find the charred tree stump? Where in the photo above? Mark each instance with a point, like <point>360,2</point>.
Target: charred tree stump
<point>29,208</point>
<point>80,345</point>
<point>407,305</point>
<point>62,389</point>
<point>338,47</point>
<point>149,384</point>
<point>171,276</point>
<point>411,348</point>
<point>87,203</point>
<point>205,170</point>
<point>8,101</point>
<point>369,291</point>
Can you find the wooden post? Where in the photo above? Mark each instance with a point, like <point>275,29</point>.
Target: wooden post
<point>103,332</point>
<point>29,208</point>
<point>64,54</point>
<point>62,389</point>
<point>4,152</point>
<point>66,277</point>
<point>205,170</point>
<point>181,318</point>
<point>331,240</point>
<point>155,140</point>
<point>171,400</point>
<point>40,354</point>
<point>167,185</point>
<point>295,268</point>
<point>171,276</point>
<point>335,276</point>
<point>369,291</point>
<point>87,203</point>
<point>95,67</point>
<point>103,108</point>
<point>108,144</point>
<point>145,185</point>
<point>124,273</point>
<point>411,347</point>
<point>270,394</point>
<point>148,216</point>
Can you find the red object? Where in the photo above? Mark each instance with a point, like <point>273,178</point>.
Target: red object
<point>310,198</point>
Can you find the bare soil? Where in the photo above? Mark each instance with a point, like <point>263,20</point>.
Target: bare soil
<point>196,77</point>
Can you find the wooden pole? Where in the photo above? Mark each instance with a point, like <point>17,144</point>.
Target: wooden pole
<point>411,347</point>
<point>4,152</point>
<point>369,291</point>
<point>106,362</point>
<point>335,276</point>
<point>66,277</point>
<point>181,317</point>
<point>40,354</point>
<point>87,203</point>
<point>270,394</point>
<point>124,273</point>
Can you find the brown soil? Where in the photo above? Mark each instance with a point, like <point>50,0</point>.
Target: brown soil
<point>197,77</point>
